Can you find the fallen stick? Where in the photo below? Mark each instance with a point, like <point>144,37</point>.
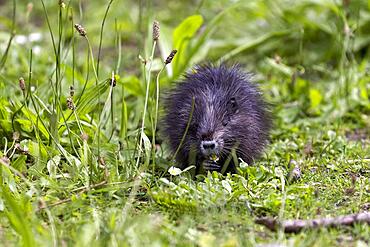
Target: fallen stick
<point>294,226</point>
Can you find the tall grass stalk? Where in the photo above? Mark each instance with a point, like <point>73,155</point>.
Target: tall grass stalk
<point>167,61</point>
<point>156,114</point>
<point>83,33</point>
<point>73,49</point>
<point>101,36</point>
<point>111,93</point>
<point>56,111</point>
<point>96,83</point>
<point>148,79</point>
<point>123,125</point>
<point>107,108</point>
<point>186,129</point>
<point>12,34</point>
<point>36,125</point>
<point>118,45</point>
<point>345,74</point>
<point>57,86</point>
<point>73,74</point>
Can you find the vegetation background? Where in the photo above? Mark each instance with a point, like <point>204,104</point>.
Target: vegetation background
<point>81,162</point>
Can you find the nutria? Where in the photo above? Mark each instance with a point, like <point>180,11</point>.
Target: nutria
<point>214,116</point>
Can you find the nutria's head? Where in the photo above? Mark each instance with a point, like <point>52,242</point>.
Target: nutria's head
<point>223,114</point>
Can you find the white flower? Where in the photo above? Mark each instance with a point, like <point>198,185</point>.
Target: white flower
<point>331,134</point>
<point>23,39</point>
<point>35,37</point>
<point>20,39</point>
<point>174,171</point>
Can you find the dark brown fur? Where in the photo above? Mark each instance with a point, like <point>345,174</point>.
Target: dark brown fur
<point>229,114</point>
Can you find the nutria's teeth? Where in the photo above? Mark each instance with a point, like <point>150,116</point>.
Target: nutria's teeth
<point>214,158</point>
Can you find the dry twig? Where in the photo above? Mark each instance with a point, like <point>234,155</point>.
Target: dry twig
<point>294,226</point>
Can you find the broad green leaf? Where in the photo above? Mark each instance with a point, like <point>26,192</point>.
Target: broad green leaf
<point>90,98</point>
<point>26,125</point>
<point>20,163</point>
<point>199,43</point>
<point>38,152</point>
<point>4,114</point>
<point>315,97</point>
<point>226,186</point>
<point>133,86</point>
<point>8,178</point>
<point>147,147</point>
<point>252,43</point>
<point>186,30</point>
<point>6,125</point>
<point>35,121</point>
<point>181,36</point>
<point>52,165</point>
<point>16,214</point>
<point>124,119</point>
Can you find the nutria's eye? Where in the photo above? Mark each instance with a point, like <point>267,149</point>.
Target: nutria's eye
<point>233,105</point>
<point>226,121</point>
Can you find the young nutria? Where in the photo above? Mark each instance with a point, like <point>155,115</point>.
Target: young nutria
<point>214,115</point>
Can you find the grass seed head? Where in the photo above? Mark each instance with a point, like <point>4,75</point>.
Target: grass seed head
<point>71,91</point>
<point>16,136</point>
<point>70,103</point>
<point>22,84</point>
<point>170,57</point>
<point>84,136</point>
<point>62,4</point>
<point>156,30</point>
<point>80,29</point>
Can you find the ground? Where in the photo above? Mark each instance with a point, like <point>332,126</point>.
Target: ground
<point>73,171</point>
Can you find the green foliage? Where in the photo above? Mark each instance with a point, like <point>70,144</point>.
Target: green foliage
<point>16,214</point>
<point>181,37</point>
<point>86,165</point>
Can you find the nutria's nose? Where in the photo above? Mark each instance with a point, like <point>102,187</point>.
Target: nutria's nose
<point>208,145</point>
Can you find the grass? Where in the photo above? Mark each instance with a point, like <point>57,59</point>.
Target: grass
<point>95,171</point>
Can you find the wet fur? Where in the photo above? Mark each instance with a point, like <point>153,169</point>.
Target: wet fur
<point>216,90</point>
